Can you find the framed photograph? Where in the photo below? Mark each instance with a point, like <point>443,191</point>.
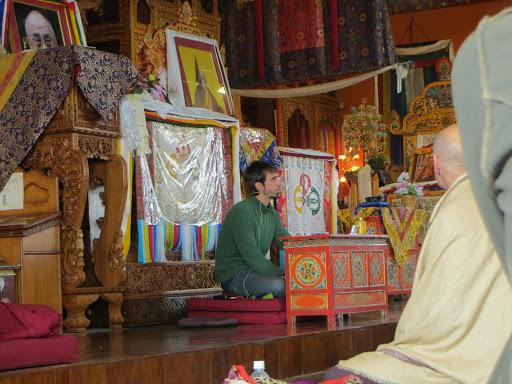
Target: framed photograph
<point>4,8</point>
<point>425,139</point>
<point>422,167</point>
<point>409,148</point>
<point>35,24</point>
<point>196,76</point>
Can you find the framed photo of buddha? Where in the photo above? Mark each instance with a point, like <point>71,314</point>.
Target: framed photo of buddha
<point>196,76</point>
<point>38,24</point>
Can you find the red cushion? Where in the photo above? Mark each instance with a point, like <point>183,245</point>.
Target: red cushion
<point>22,353</point>
<point>28,320</point>
<point>245,317</point>
<point>236,305</point>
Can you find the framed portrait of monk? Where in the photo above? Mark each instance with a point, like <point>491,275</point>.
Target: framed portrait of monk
<point>196,76</point>
<point>39,24</point>
<point>422,167</point>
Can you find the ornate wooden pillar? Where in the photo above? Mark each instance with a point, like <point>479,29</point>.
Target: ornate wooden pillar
<point>55,154</point>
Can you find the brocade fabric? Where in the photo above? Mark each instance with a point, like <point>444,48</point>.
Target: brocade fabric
<point>298,40</point>
<point>103,79</point>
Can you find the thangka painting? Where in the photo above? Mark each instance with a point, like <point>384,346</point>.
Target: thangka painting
<point>184,189</point>
<point>306,206</point>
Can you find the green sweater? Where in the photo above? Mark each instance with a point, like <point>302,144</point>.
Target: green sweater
<point>245,238</point>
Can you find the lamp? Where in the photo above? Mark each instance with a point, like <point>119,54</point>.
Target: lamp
<point>364,137</point>
<point>363,127</point>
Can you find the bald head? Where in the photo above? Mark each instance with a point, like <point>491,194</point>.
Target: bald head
<point>448,157</point>
<point>40,33</point>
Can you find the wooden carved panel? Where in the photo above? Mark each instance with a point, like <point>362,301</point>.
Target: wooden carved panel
<point>327,127</point>
<point>153,310</point>
<point>57,155</point>
<point>173,276</point>
<point>208,17</point>
<point>40,194</point>
<point>145,309</point>
<point>95,147</point>
<point>299,130</point>
<point>287,108</point>
<point>77,115</point>
<point>322,116</point>
<point>114,42</point>
<point>108,255</point>
<point>125,31</point>
<point>106,16</point>
<point>431,111</point>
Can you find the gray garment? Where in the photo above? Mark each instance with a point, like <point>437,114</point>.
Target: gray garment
<point>482,91</point>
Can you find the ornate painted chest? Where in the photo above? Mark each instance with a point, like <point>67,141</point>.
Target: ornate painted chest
<point>333,274</point>
<point>401,278</point>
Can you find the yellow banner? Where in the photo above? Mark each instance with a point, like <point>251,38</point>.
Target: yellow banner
<point>12,68</point>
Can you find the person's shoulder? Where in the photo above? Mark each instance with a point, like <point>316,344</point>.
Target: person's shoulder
<point>243,206</point>
<point>461,206</point>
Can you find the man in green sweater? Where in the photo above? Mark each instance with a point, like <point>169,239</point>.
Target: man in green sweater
<point>242,265</point>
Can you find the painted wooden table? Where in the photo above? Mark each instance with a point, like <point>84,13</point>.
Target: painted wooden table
<point>399,278</point>
<point>335,274</point>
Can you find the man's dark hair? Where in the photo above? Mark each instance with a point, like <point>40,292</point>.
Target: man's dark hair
<point>257,171</point>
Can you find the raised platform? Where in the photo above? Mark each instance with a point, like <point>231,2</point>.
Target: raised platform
<point>169,354</point>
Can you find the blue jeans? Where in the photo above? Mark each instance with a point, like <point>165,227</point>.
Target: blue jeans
<point>248,283</point>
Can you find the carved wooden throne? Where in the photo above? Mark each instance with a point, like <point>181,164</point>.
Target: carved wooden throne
<point>79,148</point>
<point>431,111</point>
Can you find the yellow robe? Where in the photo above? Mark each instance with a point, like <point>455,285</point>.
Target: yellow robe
<point>459,315</point>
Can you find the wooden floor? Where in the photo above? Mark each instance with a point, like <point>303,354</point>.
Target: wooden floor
<point>170,354</point>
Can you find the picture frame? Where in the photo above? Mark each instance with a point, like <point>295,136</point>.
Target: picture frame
<point>63,19</point>
<point>425,139</point>
<point>422,166</point>
<point>409,148</point>
<point>4,9</point>
<point>196,77</point>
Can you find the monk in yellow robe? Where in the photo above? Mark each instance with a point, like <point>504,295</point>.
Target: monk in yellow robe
<point>459,315</point>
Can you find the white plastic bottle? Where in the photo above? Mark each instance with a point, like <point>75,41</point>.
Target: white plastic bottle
<point>259,370</point>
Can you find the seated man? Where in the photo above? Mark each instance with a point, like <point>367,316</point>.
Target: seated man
<point>250,227</point>
<point>459,316</point>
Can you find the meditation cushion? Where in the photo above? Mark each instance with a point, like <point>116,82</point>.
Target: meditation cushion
<point>30,336</point>
<point>245,311</point>
<point>21,321</point>
<point>22,353</point>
